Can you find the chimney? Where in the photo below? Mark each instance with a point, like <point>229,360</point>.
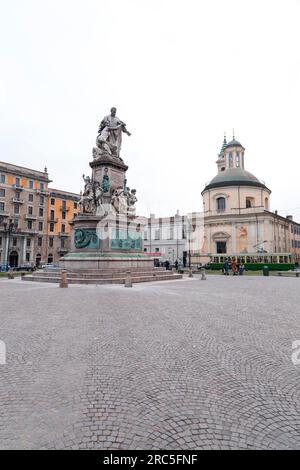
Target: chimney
<point>289,217</point>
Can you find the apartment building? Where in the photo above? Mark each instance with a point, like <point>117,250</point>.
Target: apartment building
<point>27,234</point>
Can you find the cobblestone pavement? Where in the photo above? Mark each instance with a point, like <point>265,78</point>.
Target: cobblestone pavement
<point>173,365</point>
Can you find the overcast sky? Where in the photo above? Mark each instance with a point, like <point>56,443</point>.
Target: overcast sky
<point>180,74</point>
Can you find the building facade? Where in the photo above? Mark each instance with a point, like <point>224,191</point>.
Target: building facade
<point>236,219</point>
<point>26,235</point>
<point>236,208</point>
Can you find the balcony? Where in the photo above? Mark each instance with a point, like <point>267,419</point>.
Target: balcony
<point>62,250</point>
<point>64,209</point>
<point>17,201</point>
<point>30,217</point>
<point>63,234</point>
<point>18,187</point>
<point>53,221</point>
<point>42,192</point>
<point>4,214</point>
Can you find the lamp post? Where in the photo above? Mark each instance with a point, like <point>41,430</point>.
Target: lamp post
<point>8,228</point>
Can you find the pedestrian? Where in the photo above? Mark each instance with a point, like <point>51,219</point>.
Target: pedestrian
<point>176,265</point>
<point>234,267</point>
<point>226,268</point>
<point>241,269</point>
<point>167,264</point>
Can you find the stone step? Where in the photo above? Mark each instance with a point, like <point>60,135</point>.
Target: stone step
<point>112,280</point>
<point>108,275</point>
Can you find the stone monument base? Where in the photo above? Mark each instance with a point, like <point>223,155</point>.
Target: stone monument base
<point>108,261</point>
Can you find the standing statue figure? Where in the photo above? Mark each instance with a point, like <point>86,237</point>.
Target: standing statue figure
<point>119,201</point>
<point>131,200</point>
<point>87,204</point>
<point>110,133</point>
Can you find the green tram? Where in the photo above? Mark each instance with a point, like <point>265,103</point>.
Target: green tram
<point>256,261</point>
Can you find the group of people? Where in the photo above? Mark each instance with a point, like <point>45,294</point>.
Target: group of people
<point>237,269</point>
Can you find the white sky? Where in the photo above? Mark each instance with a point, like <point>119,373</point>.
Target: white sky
<point>180,73</point>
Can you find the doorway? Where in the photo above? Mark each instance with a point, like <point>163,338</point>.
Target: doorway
<point>221,247</point>
<point>13,259</point>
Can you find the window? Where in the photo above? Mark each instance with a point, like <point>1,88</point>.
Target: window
<point>221,204</point>
<point>18,181</point>
<point>17,196</point>
<point>51,227</point>
<point>52,215</point>
<point>157,234</point>
<point>29,224</point>
<point>0,241</point>
<point>52,201</point>
<point>237,160</point>
<point>40,241</point>
<point>2,206</point>
<point>62,243</point>
<point>63,205</point>
<point>42,200</point>
<point>40,226</point>
<point>30,197</point>
<point>41,186</point>
<point>15,241</point>
<point>63,215</point>
<point>230,160</point>
<point>2,179</point>
<point>28,243</point>
<point>156,250</point>
<point>41,212</point>
<point>63,228</point>
<point>51,242</point>
<point>30,210</point>
<point>248,203</point>
<point>17,209</point>
<point>266,204</point>
<point>31,183</point>
<point>27,257</point>
<point>50,258</point>
<point>2,192</point>
<point>75,205</point>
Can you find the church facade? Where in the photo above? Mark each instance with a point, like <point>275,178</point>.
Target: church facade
<point>238,220</point>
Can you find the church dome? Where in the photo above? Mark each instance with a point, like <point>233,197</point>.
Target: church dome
<point>233,143</point>
<point>234,177</point>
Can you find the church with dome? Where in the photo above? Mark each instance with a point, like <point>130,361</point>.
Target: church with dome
<point>237,216</point>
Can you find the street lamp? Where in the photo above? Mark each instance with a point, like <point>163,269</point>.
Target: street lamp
<point>8,228</point>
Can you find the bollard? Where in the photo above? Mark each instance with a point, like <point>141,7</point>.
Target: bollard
<point>190,273</point>
<point>64,280</point>
<point>203,276</point>
<point>128,280</point>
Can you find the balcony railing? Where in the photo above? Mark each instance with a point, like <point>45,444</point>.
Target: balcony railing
<point>54,221</point>
<point>64,209</point>
<point>4,214</point>
<point>17,201</point>
<point>62,250</point>
<point>18,187</point>
<point>63,234</point>
<point>30,217</point>
<point>42,192</point>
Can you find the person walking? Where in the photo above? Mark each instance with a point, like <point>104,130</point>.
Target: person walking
<point>226,268</point>
<point>176,265</point>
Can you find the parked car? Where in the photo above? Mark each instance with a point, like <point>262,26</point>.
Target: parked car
<point>205,266</point>
<point>4,268</point>
<point>51,266</point>
<point>25,267</point>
